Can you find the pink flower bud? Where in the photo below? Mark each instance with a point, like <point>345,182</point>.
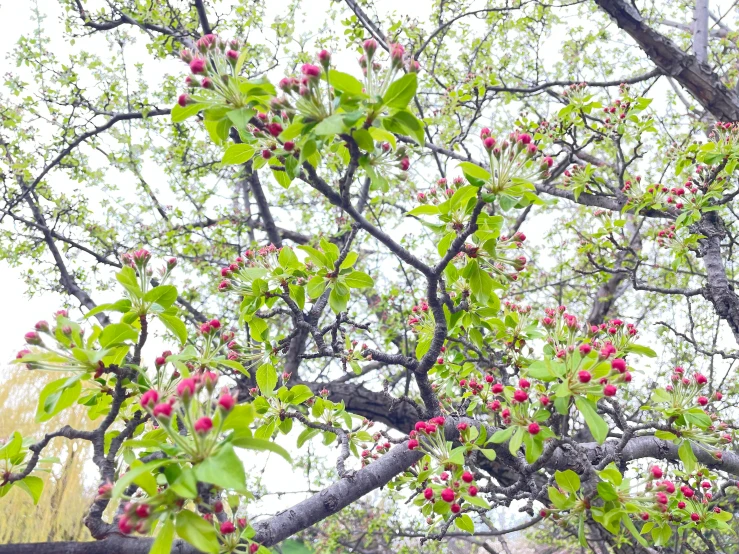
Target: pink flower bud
<point>197,66</point>
<point>534,428</point>
<point>227,528</point>
<point>203,425</point>
<point>149,398</point>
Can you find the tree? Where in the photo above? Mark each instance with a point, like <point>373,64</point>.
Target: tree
<point>360,232</point>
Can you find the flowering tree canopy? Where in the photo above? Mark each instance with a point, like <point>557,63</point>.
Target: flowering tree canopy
<point>482,255</point>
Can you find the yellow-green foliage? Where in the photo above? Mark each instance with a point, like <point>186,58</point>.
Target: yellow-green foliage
<point>68,491</point>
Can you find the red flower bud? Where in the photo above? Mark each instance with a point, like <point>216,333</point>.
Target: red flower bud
<point>227,528</point>
<point>447,495</point>
<point>534,428</point>
<point>584,376</point>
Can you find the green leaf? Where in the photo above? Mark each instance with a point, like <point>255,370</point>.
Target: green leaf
<point>597,425</point>
<point>567,480</point>
<point>282,178</point>
<point>127,277</point>
<point>475,175</point>
<point>33,485</point>
<point>287,258</point>
<point>634,532</point>
<point>266,379</point>
<point>260,444</point>
<point>559,500</point>
<point>358,280</point>
<point>175,325</point>
<point>502,435</point>
<point>181,114</point>
<point>57,396</point>
<point>515,444</point>
<point>687,456</point>
<point>164,295</point>
<point>606,491</point>
<point>332,125</point>
<point>364,140</point>
<point>198,532</point>
<point>345,83</point>
<point>238,154</point>
<point>224,469</point>
<point>401,92</point>
<point>12,448</point>
<point>643,350</point>
<point>463,522</point>
<point>424,209</point>
<point>300,393</point>
<point>117,333</point>
<point>163,542</point>
<point>134,474</point>
<point>337,301</point>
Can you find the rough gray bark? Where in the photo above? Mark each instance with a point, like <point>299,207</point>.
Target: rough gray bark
<point>700,31</point>
<point>698,79</point>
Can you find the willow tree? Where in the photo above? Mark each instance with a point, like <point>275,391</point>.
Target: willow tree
<point>484,251</point>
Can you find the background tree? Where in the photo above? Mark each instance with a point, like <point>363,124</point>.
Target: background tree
<point>399,246</point>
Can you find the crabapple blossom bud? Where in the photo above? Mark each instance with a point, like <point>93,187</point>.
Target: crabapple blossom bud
<point>534,428</point>
<point>163,411</point>
<point>447,495</point>
<point>197,66</point>
<point>412,444</point>
<point>520,396</point>
<point>405,163</point>
<point>32,337</point>
<point>227,528</point>
<point>149,398</point>
<point>324,56</point>
<point>656,472</point>
<point>584,376</point>
<point>610,390</point>
<point>125,525</point>
<point>226,401</point>
<point>618,364</point>
<point>455,508</point>
<point>105,490</point>
<point>467,477</point>
<point>203,425</point>
<point>186,388</point>
<point>702,400</point>
<point>428,493</point>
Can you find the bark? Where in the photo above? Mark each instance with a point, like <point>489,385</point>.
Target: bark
<point>700,31</point>
<point>697,78</point>
<point>718,290</point>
